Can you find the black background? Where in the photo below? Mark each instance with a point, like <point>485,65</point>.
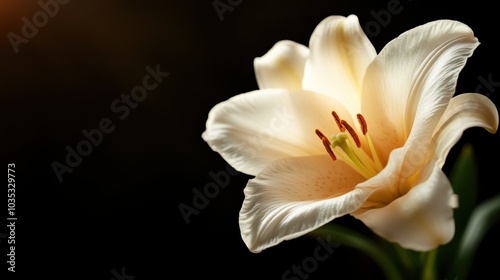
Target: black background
<point>119,207</point>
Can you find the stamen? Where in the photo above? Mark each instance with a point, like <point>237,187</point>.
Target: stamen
<point>320,134</point>
<point>374,154</point>
<point>349,154</point>
<point>326,143</point>
<point>347,149</point>
<point>337,120</point>
<point>352,132</point>
<point>362,123</point>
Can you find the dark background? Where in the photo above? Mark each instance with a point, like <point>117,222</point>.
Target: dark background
<point>118,208</point>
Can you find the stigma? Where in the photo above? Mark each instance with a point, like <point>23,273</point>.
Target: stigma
<point>347,146</point>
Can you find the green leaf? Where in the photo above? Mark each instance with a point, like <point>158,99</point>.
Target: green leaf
<point>482,219</point>
<point>353,239</point>
<point>464,179</point>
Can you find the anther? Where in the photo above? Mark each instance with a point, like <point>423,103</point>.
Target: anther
<point>352,132</point>
<point>337,120</point>
<point>326,143</point>
<point>362,123</point>
<point>320,134</point>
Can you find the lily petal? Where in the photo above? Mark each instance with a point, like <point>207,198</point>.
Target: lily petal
<point>414,76</point>
<point>464,111</point>
<point>293,196</point>
<point>282,66</point>
<point>253,129</point>
<point>422,219</point>
<point>340,52</point>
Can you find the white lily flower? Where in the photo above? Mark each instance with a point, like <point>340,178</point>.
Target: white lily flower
<point>337,129</point>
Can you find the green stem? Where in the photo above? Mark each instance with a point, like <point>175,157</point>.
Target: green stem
<point>429,272</point>
<point>358,241</point>
<point>405,258</point>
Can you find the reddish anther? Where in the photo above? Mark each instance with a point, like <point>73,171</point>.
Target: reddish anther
<point>337,120</point>
<point>326,143</point>
<point>352,132</point>
<point>362,123</point>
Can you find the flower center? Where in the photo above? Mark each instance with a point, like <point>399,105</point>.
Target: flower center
<point>347,145</point>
